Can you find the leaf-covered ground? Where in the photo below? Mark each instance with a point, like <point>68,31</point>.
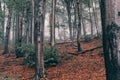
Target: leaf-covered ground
<point>87,66</point>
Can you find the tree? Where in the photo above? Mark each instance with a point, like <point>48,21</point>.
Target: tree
<point>52,23</point>
<point>68,8</point>
<point>1,24</point>
<point>111,41</point>
<point>75,19</point>
<point>91,20</point>
<point>79,7</point>
<point>95,15</point>
<point>40,70</point>
<point>7,33</point>
<point>33,22</point>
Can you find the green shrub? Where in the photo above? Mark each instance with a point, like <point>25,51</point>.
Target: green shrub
<point>29,53</point>
<point>50,55</point>
<point>87,38</point>
<point>12,51</point>
<point>24,49</point>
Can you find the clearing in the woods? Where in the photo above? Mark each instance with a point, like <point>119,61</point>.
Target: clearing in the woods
<point>86,66</point>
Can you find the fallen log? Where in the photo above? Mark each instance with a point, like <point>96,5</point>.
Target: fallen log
<point>83,52</point>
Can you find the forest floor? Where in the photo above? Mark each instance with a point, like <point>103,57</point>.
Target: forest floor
<point>87,66</point>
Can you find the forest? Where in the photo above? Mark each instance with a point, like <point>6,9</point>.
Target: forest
<point>59,40</point>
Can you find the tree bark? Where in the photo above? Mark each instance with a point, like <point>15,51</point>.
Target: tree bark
<point>13,24</point>
<point>40,70</point>
<point>33,22</point>
<point>95,16</point>
<point>53,23</point>
<point>16,31</point>
<point>84,28</point>
<point>91,22</point>
<point>7,34</point>
<point>68,8</point>
<point>111,41</point>
<point>69,20</point>
<point>79,6</point>
<point>20,29</point>
<point>75,20</point>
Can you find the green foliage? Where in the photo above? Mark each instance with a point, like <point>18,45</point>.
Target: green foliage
<point>87,38</point>
<point>28,51</point>
<point>24,49</point>
<point>51,57</point>
<point>29,59</point>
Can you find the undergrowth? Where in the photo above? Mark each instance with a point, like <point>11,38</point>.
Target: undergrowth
<point>50,55</point>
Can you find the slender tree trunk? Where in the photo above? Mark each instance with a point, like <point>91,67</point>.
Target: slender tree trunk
<point>53,23</point>
<point>17,34</point>
<point>30,29</point>
<point>75,20</point>
<point>33,22</point>
<point>79,6</point>
<point>3,23</point>
<point>13,43</point>
<point>1,26</point>
<point>91,22</point>
<point>69,17</point>
<point>95,16</point>
<point>83,25</point>
<point>7,34</point>
<point>16,30</point>
<point>20,30</point>
<point>40,71</point>
<point>50,23</point>
<point>69,21</point>
<point>27,31</point>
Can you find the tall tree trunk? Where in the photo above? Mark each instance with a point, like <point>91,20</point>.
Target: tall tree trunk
<point>90,14</point>
<point>27,32</point>
<point>16,31</point>
<point>1,26</point>
<point>30,29</point>
<point>40,71</point>
<point>68,8</point>
<point>83,25</point>
<point>3,23</point>
<point>79,7</point>
<point>75,20</point>
<point>69,20</point>
<point>17,34</point>
<point>33,22</point>
<point>50,23</point>
<point>53,23</point>
<point>95,16</point>
<point>7,34</point>
<point>20,29</point>
<point>111,41</point>
<point>13,42</point>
